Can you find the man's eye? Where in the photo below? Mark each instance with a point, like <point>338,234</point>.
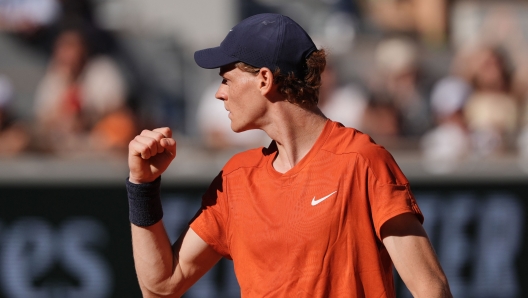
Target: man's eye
<point>224,81</point>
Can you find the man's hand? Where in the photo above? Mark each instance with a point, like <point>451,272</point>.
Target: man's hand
<point>149,154</point>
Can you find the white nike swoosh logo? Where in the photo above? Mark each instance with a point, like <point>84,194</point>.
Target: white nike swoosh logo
<point>315,202</point>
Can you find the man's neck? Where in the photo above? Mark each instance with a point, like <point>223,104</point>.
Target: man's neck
<point>295,130</point>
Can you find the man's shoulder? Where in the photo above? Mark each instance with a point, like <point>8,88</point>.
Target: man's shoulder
<point>370,155</point>
<point>345,140</point>
<point>252,158</point>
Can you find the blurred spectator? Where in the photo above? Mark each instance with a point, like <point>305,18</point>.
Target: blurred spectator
<point>14,137</point>
<point>84,12</point>
<point>340,27</point>
<point>27,16</point>
<point>397,92</point>
<point>521,90</point>
<point>492,111</point>
<point>381,120</point>
<point>80,103</point>
<point>38,22</point>
<point>427,18</point>
<point>345,104</point>
<point>449,141</point>
<point>215,126</point>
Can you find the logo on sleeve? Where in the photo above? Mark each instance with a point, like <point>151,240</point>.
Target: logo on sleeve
<point>315,202</point>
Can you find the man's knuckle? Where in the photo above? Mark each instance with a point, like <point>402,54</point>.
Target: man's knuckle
<point>151,143</point>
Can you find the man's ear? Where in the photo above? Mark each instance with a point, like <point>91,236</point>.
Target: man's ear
<point>266,84</point>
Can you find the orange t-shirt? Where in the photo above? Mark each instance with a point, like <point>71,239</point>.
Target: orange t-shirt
<point>313,231</point>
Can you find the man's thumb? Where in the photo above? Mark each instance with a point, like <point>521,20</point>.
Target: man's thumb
<point>169,144</point>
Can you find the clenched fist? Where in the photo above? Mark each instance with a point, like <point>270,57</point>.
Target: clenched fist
<point>149,154</point>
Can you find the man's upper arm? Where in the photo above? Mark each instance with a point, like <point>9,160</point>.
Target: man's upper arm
<point>413,256</point>
<point>194,258</point>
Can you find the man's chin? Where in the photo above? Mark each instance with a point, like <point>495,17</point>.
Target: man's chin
<point>240,129</point>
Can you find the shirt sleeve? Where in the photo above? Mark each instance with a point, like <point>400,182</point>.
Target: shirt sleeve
<point>389,191</point>
<point>210,222</point>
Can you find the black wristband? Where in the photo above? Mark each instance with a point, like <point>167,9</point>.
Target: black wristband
<point>144,202</point>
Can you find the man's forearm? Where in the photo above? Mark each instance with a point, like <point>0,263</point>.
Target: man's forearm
<point>155,263</point>
<point>169,271</point>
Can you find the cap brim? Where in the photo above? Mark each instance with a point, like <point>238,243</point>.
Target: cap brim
<point>213,58</point>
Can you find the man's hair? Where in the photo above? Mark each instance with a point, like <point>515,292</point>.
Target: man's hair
<point>303,92</point>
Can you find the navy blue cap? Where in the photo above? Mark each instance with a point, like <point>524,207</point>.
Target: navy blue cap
<point>263,40</point>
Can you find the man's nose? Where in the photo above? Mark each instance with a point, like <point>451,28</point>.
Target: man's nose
<point>220,93</point>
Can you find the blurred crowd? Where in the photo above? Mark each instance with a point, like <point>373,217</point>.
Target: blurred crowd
<point>80,103</point>
<point>473,104</point>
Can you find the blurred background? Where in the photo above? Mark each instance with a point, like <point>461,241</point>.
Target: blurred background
<point>442,84</point>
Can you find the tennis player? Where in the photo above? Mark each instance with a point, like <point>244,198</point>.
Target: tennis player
<point>322,212</point>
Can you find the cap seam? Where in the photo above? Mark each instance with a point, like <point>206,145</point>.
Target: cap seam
<point>280,42</point>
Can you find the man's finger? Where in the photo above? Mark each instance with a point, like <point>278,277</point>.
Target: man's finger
<point>169,145</point>
<point>139,149</point>
<point>157,136</point>
<point>165,131</point>
<point>152,143</point>
<point>152,134</point>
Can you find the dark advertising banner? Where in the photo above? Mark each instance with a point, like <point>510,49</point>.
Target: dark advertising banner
<point>479,233</point>
<point>74,241</point>
<point>65,242</point>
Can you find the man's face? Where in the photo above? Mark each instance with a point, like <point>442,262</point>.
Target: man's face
<point>241,95</point>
